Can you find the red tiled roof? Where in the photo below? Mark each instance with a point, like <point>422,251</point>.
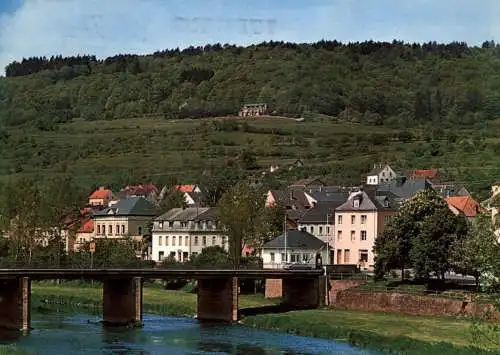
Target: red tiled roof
<point>101,193</point>
<point>185,188</point>
<point>424,173</point>
<point>465,204</point>
<point>87,226</point>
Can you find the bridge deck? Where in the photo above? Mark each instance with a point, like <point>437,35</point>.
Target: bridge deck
<point>97,274</point>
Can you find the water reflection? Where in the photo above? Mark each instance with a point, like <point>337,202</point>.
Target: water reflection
<point>79,334</point>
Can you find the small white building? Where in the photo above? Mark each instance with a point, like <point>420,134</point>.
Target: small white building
<point>181,233</point>
<point>293,247</point>
<point>381,173</point>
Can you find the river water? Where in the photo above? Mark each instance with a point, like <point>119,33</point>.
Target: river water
<point>62,333</point>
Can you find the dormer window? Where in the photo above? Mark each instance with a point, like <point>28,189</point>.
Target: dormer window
<point>386,203</point>
<point>355,203</point>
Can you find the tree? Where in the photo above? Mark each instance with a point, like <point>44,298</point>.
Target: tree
<point>214,256</point>
<point>420,236</point>
<point>172,199</point>
<point>475,253</point>
<point>240,212</point>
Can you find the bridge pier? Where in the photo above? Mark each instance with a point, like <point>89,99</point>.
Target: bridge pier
<point>15,303</point>
<point>122,301</point>
<point>304,292</point>
<point>218,299</point>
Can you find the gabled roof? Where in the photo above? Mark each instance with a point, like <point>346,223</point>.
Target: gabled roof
<point>424,174</point>
<point>197,197</point>
<point>368,201</point>
<point>328,195</point>
<point>465,204</point>
<point>318,214</point>
<point>189,214</point>
<point>403,187</point>
<point>377,169</point>
<point>87,226</point>
<point>295,239</point>
<point>185,188</point>
<point>101,193</point>
<point>130,206</point>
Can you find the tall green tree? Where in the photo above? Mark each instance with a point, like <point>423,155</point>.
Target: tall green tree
<point>240,212</point>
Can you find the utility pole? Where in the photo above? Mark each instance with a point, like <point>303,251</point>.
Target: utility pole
<point>286,252</point>
<point>327,238</point>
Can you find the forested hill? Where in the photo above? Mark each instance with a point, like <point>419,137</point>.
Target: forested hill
<point>378,83</point>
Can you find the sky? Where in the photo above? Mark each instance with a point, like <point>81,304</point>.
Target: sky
<point>109,27</point>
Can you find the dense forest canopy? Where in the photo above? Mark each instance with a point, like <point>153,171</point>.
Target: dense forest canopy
<point>394,83</point>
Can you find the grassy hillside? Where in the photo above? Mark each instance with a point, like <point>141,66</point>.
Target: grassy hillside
<point>130,118</point>
<point>155,149</point>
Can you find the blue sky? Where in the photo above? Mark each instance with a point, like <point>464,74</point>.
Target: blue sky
<point>107,27</point>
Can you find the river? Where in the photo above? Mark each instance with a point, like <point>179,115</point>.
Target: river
<point>63,333</point>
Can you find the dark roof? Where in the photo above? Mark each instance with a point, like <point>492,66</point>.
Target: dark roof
<point>198,197</point>
<point>405,188</point>
<point>130,206</point>
<point>329,195</point>
<point>295,239</point>
<point>377,169</point>
<point>368,201</point>
<point>319,212</point>
<point>189,214</point>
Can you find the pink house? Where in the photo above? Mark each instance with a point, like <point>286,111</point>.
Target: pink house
<point>358,222</point>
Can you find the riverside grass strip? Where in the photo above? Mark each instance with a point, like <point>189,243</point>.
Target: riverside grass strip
<point>391,333</point>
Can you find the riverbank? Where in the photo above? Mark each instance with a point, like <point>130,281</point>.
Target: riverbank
<point>11,350</point>
<point>392,333</point>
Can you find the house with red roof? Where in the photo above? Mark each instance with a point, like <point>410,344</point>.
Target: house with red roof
<point>464,205</point>
<point>187,188</point>
<point>148,191</point>
<point>430,174</point>
<point>101,197</point>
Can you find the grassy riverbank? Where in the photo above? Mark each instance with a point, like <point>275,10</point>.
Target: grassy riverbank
<point>392,333</point>
<point>11,350</point>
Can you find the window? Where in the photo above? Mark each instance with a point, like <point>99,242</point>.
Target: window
<point>320,230</point>
<point>353,219</point>
<point>339,256</point>
<point>339,235</point>
<point>355,203</point>
<point>363,219</point>
<point>139,231</point>
<point>353,235</point>
<point>223,240</point>
<point>363,256</point>
<point>339,219</point>
<point>161,255</point>
<point>110,229</point>
<point>387,219</point>
<point>160,225</point>
<point>160,240</point>
<point>347,256</point>
<point>363,235</point>
<point>98,229</point>
<point>272,257</point>
<point>186,240</point>
<point>328,230</point>
<point>196,240</point>
<point>311,229</point>
<point>173,240</point>
<point>172,254</point>
<point>117,229</point>
<point>303,229</point>
<point>295,258</point>
<point>166,240</point>
<point>123,229</point>
<point>204,240</point>
<point>306,258</point>
<point>283,258</point>
<point>214,240</point>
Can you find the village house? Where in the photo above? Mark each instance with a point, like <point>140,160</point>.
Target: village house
<point>84,234</point>
<point>252,110</point>
<point>402,188</point>
<point>465,206</point>
<point>182,233</point>
<point>128,218</point>
<point>358,222</point>
<point>292,247</point>
<point>101,197</point>
<point>429,174</point>
<point>381,173</point>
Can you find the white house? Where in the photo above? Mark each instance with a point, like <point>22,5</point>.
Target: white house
<point>181,233</point>
<point>294,246</point>
<point>380,174</point>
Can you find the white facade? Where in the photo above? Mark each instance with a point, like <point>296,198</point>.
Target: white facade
<point>275,258</point>
<point>182,240</point>
<point>380,175</point>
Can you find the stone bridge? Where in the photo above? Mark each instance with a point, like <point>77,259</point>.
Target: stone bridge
<point>122,291</point>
